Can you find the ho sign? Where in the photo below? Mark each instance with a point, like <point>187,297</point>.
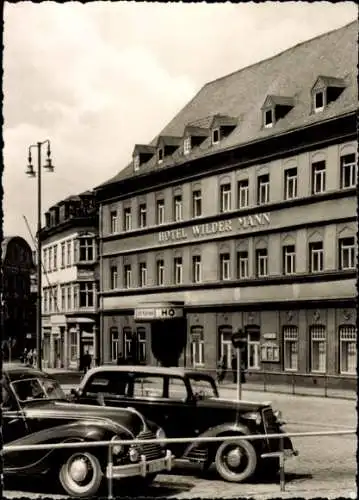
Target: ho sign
<point>153,313</point>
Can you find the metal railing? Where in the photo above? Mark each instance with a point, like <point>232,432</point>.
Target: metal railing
<point>281,454</point>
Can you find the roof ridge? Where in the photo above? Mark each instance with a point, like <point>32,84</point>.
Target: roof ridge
<point>310,40</point>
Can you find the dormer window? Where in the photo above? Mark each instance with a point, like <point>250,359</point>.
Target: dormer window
<point>268,118</point>
<point>160,155</point>
<point>326,90</point>
<point>187,145</point>
<point>215,136</point>
<point>319,100</point>
<point>136,163</point>
<point>274,108</point>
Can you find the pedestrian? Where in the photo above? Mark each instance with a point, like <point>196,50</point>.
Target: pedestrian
<point>24,356</point>
<point>120,360</point>
<point>222,365</point>
<point>243,373</point>
<point>29,358</point>
<point>34,357</point>
<point>87,360</point>
<point>234,367</point>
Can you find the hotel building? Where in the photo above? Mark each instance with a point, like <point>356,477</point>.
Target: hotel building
<point>241,213</point>
<point>70,282</point>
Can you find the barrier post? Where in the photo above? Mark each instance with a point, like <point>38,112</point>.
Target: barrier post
<point>110,473</point>
<point>325,386</point>
<point>293,384</point>
<point>281,465</point>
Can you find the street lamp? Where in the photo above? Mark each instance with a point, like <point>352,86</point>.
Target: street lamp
<point>32,173</point>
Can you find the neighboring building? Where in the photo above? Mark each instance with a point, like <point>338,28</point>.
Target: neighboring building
<point>70,281</point>
<point>242,213</point>
<point>17,305</point>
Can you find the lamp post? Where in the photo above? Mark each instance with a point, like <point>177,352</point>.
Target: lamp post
<point>31,173</point>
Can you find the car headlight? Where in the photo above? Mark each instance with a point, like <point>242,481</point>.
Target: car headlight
<point>253,415</point>
<point>117,449</point>
<point>134,455</point>
<point>160,434</point>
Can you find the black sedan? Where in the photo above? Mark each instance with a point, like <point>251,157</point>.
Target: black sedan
<point>36,411</point>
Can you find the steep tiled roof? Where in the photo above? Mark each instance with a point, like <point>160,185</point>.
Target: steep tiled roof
<point>242,94</point>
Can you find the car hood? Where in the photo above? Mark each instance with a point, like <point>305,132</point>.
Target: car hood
<point>124,419</point>
<point>232,404</point>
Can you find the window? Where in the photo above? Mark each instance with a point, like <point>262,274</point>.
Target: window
<point>288,259</point>
<point>63,254</point>
<point>69,297</point>
<point>290,339</point>
<point>143,274</point>
<point>196,269</point>
<point>136,163</point>
<point>263,189</point>
<point>87,294</point>
<point>224,266</point>
<point>290,183</point>
<point>76,293</point>
<point>253,347</point>
<point>145,386</point>
<point>44,253</point>
<point>319,101</point>
<point>160,272</point>
<point>243,193</point>
<point>73,345</point>
<point>142,218</point>
<point>268,118</point>
<point>55,258</point>
<point>348,171</point>
<point>127,216</point>
<point>318,349</point>
<point>177,389</point>
<point>113,221</point>
<point>347,253</point>
<point>316,257</point>
<point>63,298</point>
<point>46,301</point>
<point>225,347</point>
<point>160,155</point>
<point>197,203</point>
<point>318,177</point>
<point>114,343</point>
<point>348,349</point>
<point>113,277</point>
<point>50,259</point>
<point>178,271</point>
<point>242,265</point>
<point>225,198</point>
<point>141,346</point>
<point>86,247</point>
<point>55,296</point>
<point>160,212</point>
<point>197,346</point>
<point>127,273</point>
<point>215,136</point>
<point>127,342</point>
<point>178,208</point>
<point>261,262</point>
<point>69,253</point>
<point>187,146</point>
<point>51,301</point>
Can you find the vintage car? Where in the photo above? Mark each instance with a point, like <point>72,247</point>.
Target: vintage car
<point>35,410</point>
<point>186,403</point>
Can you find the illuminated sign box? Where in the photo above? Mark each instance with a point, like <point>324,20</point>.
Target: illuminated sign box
<point>153,313</point>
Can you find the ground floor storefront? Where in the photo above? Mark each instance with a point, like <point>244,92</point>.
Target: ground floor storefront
<point>65,339</point>
<point>308,342</point>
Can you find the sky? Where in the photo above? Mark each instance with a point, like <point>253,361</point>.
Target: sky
<point>100,77</point>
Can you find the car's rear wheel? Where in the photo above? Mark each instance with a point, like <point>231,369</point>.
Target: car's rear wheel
<point>81,474</point>
<point>236,461</point>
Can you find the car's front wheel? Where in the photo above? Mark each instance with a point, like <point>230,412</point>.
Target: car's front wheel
<point>81,475</point>
<point>236,461</point>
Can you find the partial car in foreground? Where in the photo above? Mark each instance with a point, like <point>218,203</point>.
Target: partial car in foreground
<point>186,403</point>
<point>35,410</point>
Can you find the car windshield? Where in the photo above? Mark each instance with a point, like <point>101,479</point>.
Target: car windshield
<point>203,387</point>
<point>31,389</point>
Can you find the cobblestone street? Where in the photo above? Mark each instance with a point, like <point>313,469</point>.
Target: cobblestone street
<point>326,466</point>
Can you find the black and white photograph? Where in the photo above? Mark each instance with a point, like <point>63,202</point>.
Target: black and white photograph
<point>179,250</point>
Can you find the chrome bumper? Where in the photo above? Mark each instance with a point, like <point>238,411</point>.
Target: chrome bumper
<point>141,468</point>
<point>287,453</point>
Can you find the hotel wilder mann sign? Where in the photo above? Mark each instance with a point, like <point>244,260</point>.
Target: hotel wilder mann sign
<point>213,228</point>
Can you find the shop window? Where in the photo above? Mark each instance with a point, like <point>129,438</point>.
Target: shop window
<point>73,345</point>
<point>141,345</point>
<point>348,349</point>
<point>270,352</point>
<point>114,337</point>
<point>197,346</point>
<point>127,342</point>
<point>253,347</point>
<point>318,349</point>
<point>290,341</point>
